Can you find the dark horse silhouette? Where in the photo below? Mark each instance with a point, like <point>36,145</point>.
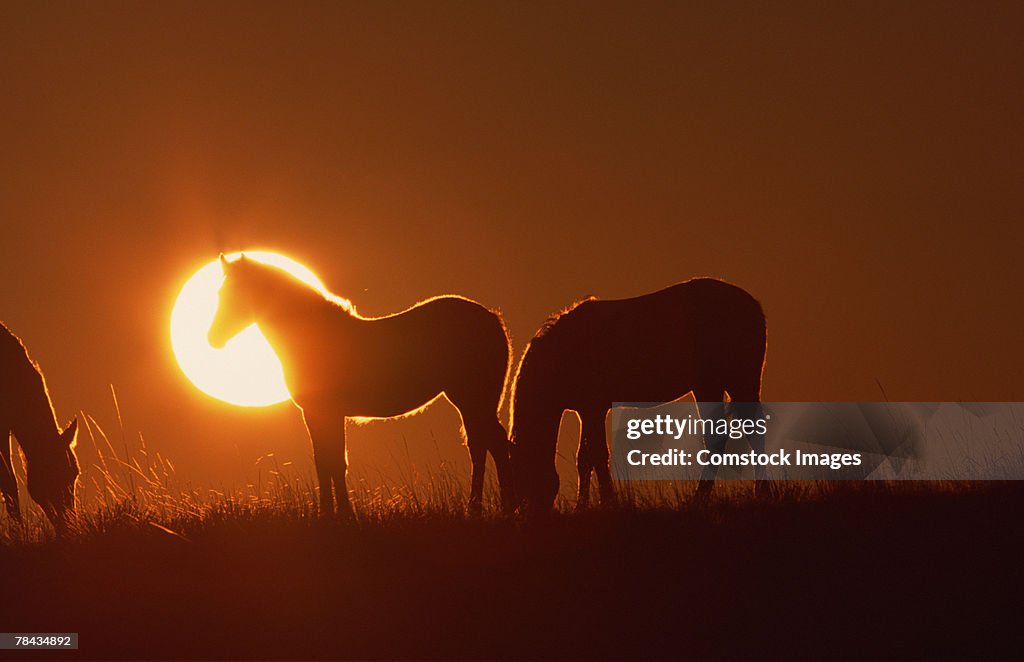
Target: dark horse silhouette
<point>703,336</point>
<point>27,413</point>
<point>338,364</point>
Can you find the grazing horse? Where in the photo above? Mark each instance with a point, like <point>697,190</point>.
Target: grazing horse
<point>702,336</point>
<point>339,364</point>
<point>26,412</point>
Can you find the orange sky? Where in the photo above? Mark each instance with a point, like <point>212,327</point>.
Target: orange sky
<point>858,170</point>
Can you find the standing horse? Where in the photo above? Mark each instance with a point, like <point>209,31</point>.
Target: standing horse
<point>27,413</point>
<point>702,336</point>
<point>339,364</point>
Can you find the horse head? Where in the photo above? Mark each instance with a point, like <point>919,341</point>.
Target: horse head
<point>234,304</point>
<point>536,480</point>
<point>52,474</point>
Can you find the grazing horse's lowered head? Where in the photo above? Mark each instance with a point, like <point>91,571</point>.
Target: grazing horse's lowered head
<point>536,479</point>
<point>26,411</point>
<point>53,474</point>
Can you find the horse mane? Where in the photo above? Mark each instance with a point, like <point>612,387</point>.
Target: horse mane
<point>277,277</point>
<point>554,317</point>
<point>530,372</point>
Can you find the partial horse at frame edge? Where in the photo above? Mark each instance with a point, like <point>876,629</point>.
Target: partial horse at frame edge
<point>26,413</point>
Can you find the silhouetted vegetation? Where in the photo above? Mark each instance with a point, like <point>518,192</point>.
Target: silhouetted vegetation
<point>27,413</point>
<point>815,570</point>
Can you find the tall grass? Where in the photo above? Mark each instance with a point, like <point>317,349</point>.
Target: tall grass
<point>126,486</point>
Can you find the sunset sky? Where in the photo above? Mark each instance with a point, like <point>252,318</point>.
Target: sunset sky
<point>857,168</point>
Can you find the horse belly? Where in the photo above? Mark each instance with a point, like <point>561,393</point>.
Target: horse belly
<point>639,375</point>
<point>396,401</point>
<point>373,397</point>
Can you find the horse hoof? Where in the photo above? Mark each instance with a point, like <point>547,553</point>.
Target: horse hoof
<point>475,509</point>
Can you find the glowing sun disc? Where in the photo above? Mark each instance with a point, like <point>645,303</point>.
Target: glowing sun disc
<point>245,371</point>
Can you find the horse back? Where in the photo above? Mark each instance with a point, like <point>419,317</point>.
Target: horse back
<point>659,346</point>
<point>386,366</point>
<point>445,326</point>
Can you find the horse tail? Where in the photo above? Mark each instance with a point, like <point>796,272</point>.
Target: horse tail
<point>506,383</point>
<point>750,372</point>
<point>762,347</point>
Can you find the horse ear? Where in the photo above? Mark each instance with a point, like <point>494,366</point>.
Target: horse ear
<point>70,434</point>
<point>223,262</point>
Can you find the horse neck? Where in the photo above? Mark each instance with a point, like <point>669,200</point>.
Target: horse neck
<point>33,420</point>
<point>536,413</point>
<point>24,402</point>
<point>289,316</point>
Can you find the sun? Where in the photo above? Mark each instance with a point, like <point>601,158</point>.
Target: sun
<point>245,371</point>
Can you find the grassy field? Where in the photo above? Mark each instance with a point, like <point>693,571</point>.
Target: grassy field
<point>816,570</point>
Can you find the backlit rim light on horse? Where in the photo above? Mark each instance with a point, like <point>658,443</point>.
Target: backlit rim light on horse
<point>245,371</point>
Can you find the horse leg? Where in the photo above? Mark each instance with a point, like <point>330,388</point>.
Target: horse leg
<point>8,483</point>
<point>714,408</point>
<point>328,436</point>
<point>501,452</point>
<point>583,469</point>
<point>485,433</point>
<point>475,429</point>
<point>750,409</point>
<point>339,468</point>
<point>478,458</point>
<point>595,442</point>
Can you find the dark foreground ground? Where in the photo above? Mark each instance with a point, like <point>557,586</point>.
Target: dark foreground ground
<point>862,573</point>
